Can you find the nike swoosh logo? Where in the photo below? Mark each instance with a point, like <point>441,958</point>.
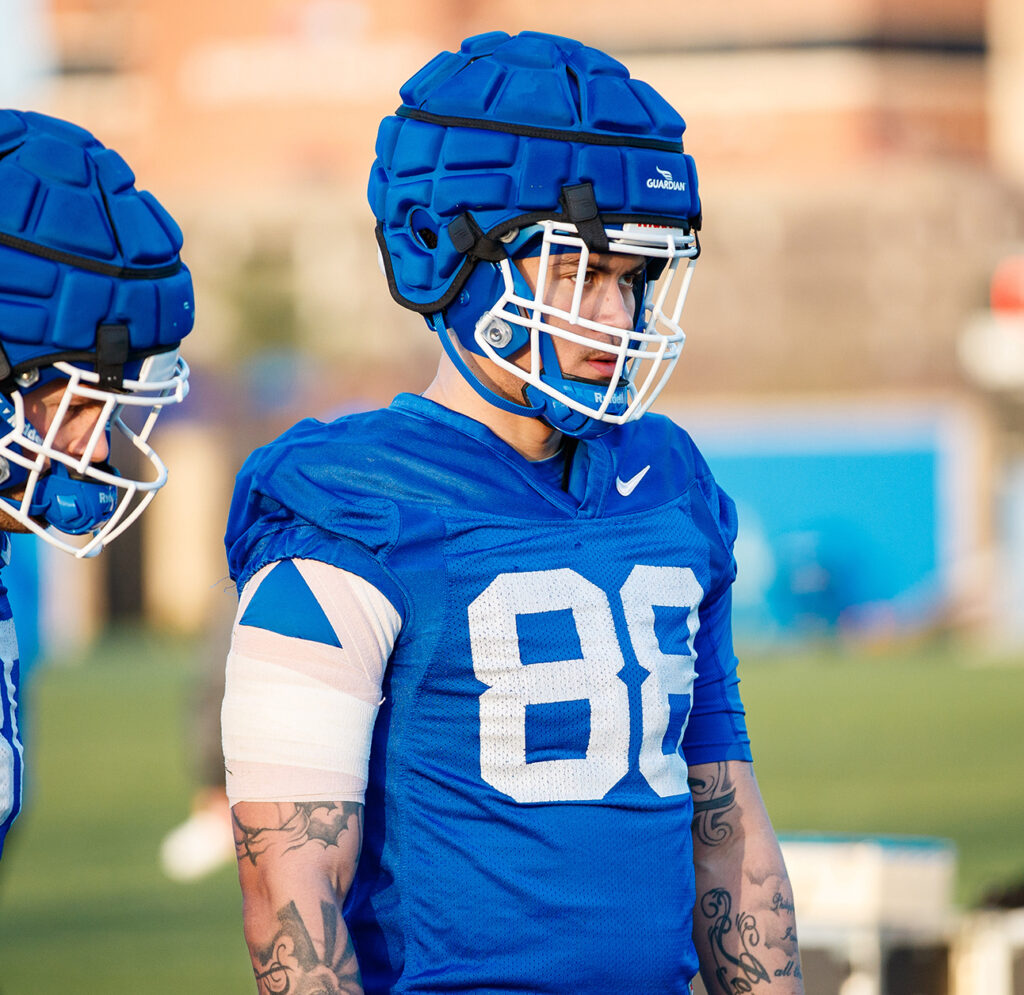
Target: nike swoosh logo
<point>626,487</point>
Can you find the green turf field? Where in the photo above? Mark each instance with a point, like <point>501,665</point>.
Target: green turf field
<point>921,742</point>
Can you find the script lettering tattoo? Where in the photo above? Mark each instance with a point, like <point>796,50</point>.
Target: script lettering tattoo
<point>782,906</point>
<point>736,973</point>
<point>714,804</point>
<point>298,824</point>
<point>290,964</point>
<point>780,903</point>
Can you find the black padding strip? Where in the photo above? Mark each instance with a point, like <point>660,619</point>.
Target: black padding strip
<point>583,137</point>
<point>90,265</point>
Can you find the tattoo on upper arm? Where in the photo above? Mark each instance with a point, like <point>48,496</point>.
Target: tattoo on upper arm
<point>297,824</point>
<point>714,804</point>
<point>291,965</point>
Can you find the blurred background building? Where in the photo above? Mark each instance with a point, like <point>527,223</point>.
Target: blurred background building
<point>855,362</point>
<point>862,178</point>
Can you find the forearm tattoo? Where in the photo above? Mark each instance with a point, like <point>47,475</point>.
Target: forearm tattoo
<point>740,946</point>
<point>740,970</point>
<point>299,823</point>
<point>302,959</point>
<point>291,965</point>
<point>714,804</point>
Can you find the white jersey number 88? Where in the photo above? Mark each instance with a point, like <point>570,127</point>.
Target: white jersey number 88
<point>593,676</point>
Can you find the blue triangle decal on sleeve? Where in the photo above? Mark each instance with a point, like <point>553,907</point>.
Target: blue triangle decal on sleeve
<point>284,604</point>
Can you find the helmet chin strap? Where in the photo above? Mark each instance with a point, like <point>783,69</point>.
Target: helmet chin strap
<point>541,405</point>
<point>436,322</point>
<point>71,504</point>
<point>569,422</point>
<point>559,415</point>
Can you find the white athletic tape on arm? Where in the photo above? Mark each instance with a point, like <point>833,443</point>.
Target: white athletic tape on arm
<point>298,715</point>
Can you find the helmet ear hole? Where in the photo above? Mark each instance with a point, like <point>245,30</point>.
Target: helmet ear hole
<point>424,228</point>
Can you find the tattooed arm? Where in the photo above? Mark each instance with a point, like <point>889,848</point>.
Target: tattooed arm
<point>744,927</point>
<point>296,861</point>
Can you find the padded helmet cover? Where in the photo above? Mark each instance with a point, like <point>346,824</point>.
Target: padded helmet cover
<point>498,130</point>
<point>81,248</point>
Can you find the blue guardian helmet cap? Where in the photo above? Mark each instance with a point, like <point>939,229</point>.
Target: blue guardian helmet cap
<point>535,145</point>
<point>94,296</point>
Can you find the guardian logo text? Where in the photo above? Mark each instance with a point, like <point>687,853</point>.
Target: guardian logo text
<point>666,181</point>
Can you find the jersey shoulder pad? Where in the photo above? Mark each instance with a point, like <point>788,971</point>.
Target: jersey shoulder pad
<point>299,495</point>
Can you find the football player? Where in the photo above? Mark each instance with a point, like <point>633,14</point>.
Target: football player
<point>481,724</point>
<point>94,302</point>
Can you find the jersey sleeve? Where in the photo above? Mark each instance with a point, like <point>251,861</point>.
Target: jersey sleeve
<point>303,683</point>
<point>308,496</point>
<point>717,728</point>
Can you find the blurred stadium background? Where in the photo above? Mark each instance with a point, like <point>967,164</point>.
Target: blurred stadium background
<point>854,373</point>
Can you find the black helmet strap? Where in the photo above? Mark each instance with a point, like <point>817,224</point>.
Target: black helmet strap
<point>580,207</point>
<point>112,345</point>
<point>469,239</point>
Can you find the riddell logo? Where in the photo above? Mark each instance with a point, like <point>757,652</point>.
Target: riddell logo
<point>666,182</point>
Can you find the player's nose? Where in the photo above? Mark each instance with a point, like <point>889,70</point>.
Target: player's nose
<point>78,437</point>
<point>102,450</point>
<point>615,307</point>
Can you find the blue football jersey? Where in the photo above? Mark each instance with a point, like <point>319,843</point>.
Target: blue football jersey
<point>563,656</point>
<point>10,743</point>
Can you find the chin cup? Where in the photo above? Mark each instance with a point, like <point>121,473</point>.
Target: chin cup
<point>72,504</point>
